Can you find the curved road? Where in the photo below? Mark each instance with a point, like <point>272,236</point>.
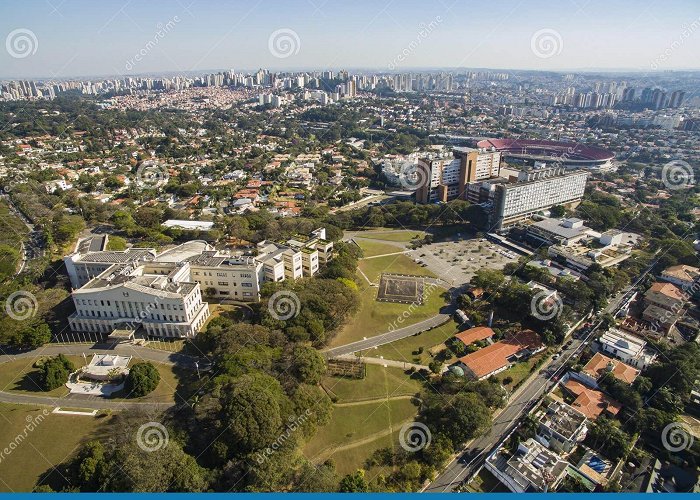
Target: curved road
<point>95,402</point>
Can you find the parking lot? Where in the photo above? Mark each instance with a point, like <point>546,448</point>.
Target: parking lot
<point>457,261</point>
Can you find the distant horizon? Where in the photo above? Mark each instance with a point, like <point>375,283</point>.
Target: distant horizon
<point>190,73</point>
<point>78,38</point>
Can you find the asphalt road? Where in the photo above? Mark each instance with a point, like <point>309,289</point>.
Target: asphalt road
<point>393,335</point>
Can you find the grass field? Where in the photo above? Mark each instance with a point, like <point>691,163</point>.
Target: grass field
<point>170,382</point>
<point>403,350</point>
<point>399,264</point>
<point>378,383</point>
<point>53,440</point>
<point>485,482</point>
<point>400,235</point>
<point>372,248</point>
<point>358,427</point>
<point>21,376</point>
<point>520,371</point>
<point>374,318</point>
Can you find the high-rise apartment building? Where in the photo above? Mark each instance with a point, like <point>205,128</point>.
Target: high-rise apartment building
<point>448,178</point>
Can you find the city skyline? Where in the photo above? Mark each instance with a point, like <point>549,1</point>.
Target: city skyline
<point>48,40</point>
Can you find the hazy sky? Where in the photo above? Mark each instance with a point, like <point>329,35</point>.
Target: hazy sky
<point>63,38</point>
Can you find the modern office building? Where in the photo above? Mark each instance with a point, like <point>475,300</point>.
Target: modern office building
<point>535,189</point>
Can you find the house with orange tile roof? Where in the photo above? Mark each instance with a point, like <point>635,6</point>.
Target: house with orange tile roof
<point>591,402</point>
<point>600,364</point>
<point>475,334</point>
<point>665,295</point>
<point>681,275</point>
<point>499,356</point>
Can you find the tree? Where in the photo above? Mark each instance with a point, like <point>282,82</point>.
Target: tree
<point>460,418</point>
<point>34,335</point>
<point>435,366</point>
<point>308,365</point>
<point>606,435</point>
<point>488,279</point>
<point>253,411</point>
<point>55,371</point>
<point>354,483</point>
<point>143,378</point>
<point>573,484</point>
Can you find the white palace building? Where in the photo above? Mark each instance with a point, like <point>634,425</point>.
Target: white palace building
<point>162,292</point>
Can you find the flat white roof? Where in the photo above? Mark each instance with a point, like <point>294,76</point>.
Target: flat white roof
<point>189,224</point>
<point>623,342</point>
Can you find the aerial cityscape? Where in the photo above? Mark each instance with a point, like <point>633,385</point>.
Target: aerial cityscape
<point>362,247</point>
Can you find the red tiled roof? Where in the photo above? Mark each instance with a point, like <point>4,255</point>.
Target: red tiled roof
<point>601,363</point>
<point>492,358</point>
<point>667,289</point>
<point>475,334</point>
<point>591,402</point>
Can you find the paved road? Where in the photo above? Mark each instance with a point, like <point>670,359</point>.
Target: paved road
<point>392,335</point>
<point>140,352</point>
<point>75,401</point>
<point>387,362</point>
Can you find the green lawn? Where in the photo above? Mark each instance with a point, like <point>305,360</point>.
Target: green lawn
<point>359,428</point>
<point>400,235</point>
<point>357,423</point>
<point>520,371</point>
<point>372,248</point>
<point>402,350</point>
<point>399,264</point>
<point>378,383</point>
<point>53,440</point>
<point>374,318</point>
<point>485,482</point>
<point>21,376</point>
<point>171,382</point>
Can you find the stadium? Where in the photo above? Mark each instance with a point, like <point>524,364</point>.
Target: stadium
<point>569,154</point>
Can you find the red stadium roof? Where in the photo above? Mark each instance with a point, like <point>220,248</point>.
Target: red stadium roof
<point>566,150</point>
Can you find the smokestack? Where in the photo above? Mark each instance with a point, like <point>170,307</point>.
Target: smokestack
<point>490,319</point>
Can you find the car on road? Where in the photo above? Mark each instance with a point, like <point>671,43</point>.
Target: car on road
<point>556,356</point>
